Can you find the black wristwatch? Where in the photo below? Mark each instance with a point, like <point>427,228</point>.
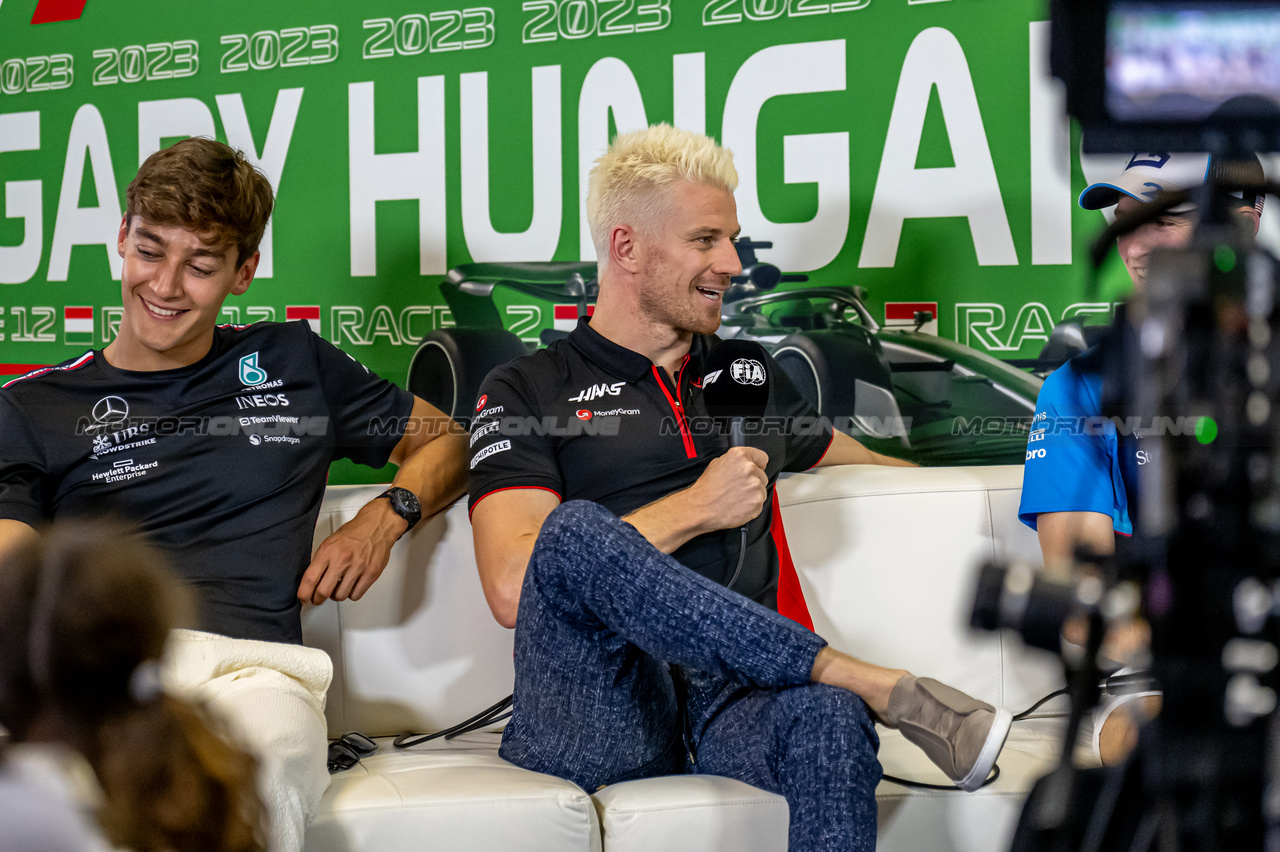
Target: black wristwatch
<point>404,503</point>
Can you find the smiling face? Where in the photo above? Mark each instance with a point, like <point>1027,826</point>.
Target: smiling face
<point>1169,231</point>
<point>173,284</point>
<point>688,259</point>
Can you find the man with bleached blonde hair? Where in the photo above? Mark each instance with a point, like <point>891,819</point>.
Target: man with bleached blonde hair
<point>647,637</point>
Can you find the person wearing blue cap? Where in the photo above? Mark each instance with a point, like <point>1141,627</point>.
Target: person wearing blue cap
<point>1078,480</point>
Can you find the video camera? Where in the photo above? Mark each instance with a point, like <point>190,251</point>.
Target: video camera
<point>1198,344</point>
<point>1170,74</point>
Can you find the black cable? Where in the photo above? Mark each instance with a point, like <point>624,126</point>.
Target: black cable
<point>1034,707</point>
<point>485,717</point>
<point>742,554</point>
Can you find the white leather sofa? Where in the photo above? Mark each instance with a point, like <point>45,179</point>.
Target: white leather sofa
<point>887,559</point>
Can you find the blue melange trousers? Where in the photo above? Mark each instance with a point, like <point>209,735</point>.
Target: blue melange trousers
<point>629,665</point>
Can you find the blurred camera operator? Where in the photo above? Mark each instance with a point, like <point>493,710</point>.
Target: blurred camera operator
<point>1081,472</point>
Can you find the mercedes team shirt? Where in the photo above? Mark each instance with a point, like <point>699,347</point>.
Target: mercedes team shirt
<point>222,463</point>
<point>587,419</point>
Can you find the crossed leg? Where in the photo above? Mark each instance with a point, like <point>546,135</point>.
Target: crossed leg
<point>602,614</point>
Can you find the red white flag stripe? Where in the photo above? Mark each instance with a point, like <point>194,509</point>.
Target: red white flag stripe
<point>907,310</point>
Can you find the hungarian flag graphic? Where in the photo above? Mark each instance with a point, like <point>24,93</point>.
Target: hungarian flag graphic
<point>310,313</point>
<point>77,326</point>
<point>566,316</point>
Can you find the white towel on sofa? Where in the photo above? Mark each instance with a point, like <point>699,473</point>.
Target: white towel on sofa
<point>271,696</point>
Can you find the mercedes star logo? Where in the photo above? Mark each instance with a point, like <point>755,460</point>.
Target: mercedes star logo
<point>110,409</point>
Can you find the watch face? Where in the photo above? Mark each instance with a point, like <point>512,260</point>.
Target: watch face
<point>404,501</point>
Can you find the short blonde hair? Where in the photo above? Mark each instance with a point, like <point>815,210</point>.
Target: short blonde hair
<point>629,184</point>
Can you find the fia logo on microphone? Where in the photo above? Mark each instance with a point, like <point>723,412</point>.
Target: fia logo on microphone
<point>747,371</point>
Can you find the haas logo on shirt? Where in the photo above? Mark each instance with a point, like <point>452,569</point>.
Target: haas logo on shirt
<point>250,372</point>
<point>597,391</point>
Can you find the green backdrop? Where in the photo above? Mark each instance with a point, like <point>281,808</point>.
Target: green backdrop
<point>915,148</point>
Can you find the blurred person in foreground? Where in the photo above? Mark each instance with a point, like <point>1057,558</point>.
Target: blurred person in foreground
<point>1079,483</point>
<point>99,754</point>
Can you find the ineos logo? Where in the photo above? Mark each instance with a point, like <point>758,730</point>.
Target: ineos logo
<point>110,409</point>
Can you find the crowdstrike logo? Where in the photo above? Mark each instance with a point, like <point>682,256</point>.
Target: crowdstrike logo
<point>250,372</point>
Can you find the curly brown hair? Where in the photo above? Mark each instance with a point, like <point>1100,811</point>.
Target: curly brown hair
<point>85,610</point>
<point>204,185</point>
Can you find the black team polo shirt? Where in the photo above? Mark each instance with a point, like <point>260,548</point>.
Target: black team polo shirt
<point>587,419</point>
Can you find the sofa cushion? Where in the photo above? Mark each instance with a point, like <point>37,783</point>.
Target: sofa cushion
<point>888,561</point>
<point>451,795</point>
<point>691,812</point>
<point>420,651</point>
<point>911,819</point>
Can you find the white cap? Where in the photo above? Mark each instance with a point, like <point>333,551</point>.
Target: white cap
<point>1148,175</point>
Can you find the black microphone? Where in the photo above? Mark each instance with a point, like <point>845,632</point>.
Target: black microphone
<point>736,385</point>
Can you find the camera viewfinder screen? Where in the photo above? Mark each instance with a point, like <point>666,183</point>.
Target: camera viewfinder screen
<point>1182,62</point>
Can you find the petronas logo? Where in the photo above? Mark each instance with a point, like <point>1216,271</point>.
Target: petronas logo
<point>250,372</point>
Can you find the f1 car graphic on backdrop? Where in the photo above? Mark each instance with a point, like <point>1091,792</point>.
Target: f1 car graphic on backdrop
<point>898,390</point>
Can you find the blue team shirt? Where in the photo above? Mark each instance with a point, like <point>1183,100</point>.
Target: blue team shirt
<point>1076,460</point>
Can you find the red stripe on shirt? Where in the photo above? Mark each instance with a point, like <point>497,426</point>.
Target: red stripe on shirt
<point>791,601</point>
<point>684,428</point>
<point>514,488</point>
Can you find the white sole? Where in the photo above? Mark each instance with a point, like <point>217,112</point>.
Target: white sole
<point>990,751</point>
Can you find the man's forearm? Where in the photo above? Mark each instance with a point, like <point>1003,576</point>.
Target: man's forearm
<point>670,521</point>
<point>436,472</point>
<point>845,450</point>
